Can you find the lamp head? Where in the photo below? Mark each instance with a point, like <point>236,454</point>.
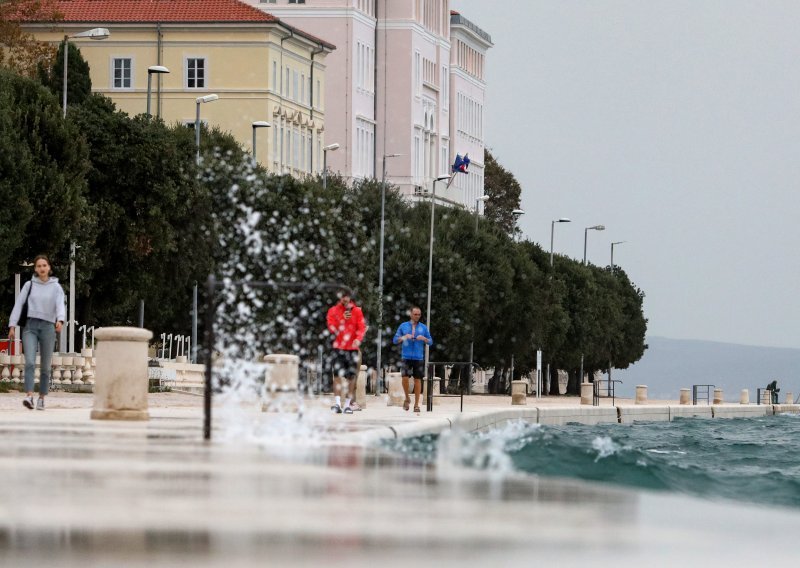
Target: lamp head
<point>331,147</point>
<point>261,124</point>
<point>564,220</point>
<point>598,227</point>
<point>442,178</point>
<point>94,33</point>
<point>157,69</point>
<point>483,198</point>
<point>518,212</point>
<point>207,98</point>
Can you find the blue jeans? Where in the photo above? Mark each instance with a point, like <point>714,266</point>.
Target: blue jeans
<point>41,334</point>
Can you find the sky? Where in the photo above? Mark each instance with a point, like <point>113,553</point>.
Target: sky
<point>674,123</point>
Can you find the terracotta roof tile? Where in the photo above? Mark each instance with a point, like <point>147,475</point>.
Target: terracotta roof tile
<point>160,11</point>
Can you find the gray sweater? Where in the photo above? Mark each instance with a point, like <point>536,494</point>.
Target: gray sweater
<point>45,302</point>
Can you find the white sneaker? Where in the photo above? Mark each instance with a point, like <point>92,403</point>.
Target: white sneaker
<point>40,404</point>
<point>28,403</point>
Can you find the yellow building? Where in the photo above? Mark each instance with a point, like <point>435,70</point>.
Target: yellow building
<point>261,68</point>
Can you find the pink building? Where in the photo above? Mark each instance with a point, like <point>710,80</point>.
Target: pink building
<point>388,90</point>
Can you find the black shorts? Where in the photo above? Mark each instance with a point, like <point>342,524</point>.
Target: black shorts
<point>413,368</point>
<point>345,363</point>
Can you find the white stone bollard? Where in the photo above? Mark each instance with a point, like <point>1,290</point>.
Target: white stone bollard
<point>685,398</point>
<point>641,394</point>
<point>120,391</point>
<point>519,392</point>
<point>280,382</point>
<point>437,381</point>
<point>394,384</point>
<point>587,393</point>
<point>789,398</point>
<point>744,397</point>
<point>361,387</point>
<point>718,396</point>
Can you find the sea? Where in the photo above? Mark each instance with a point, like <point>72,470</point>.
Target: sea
<point>755,460</point>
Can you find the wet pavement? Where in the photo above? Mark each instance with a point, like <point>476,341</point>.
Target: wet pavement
<point>273,489</point>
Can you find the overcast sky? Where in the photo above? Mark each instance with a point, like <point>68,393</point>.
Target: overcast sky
<point>673,123</point>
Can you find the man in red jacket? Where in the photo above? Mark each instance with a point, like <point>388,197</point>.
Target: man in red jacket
<point>346,323</point>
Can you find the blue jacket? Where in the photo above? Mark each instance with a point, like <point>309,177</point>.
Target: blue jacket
<point>413,349</point>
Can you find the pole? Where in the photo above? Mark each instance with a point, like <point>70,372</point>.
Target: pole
<point>194,325</point>
<point>209,349</point>
<point>197,133</point>
<point>141,313</point>
<point>585,238</point>
<point>380,277</point>
<point>552,230</point>
<point>64,85</point>
<point>428,311</point>
<point>149,90</point>
<point>71,330</point>
<point>472,341</point>
<point>254,142</point>
<point>612,256</point>
<point>324,169</point>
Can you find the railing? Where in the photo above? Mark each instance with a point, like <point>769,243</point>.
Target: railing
<point>610,390</point>
<point>769,396</point>
<point>702,392</point>
<point>445,381</point>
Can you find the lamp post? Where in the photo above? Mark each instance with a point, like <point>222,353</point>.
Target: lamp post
<point>153,70</point>
<point>478,201</point>
<point>256,125</point>
<point>71,326</point>
<point>200,100</point>
<point>380,273</point>
<point>552,231</point>
<point>586,237</point>
<point>325,149</point>
<point>430,282</point>
<point>612,253</point>
<point>94,33</point>
<point>517,213</point>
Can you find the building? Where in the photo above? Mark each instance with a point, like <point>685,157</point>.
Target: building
<point>262,69</point>
<point>396,85</point>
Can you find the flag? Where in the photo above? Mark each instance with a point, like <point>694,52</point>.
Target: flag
<point>461,164</point>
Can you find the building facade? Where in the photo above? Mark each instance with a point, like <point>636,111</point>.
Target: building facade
<point>396,86</point>
<point>261,69</point>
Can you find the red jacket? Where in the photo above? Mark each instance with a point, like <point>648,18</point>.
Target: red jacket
<point>346,330</point>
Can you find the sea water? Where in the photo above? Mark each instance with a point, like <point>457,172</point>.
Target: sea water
<point>748,459</point>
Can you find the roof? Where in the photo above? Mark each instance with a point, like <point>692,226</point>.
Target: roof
<point>136,11</point>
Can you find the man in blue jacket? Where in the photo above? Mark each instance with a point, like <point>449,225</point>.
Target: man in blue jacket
<point>414,336</point>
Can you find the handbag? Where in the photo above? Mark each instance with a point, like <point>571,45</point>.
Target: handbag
<point>23,313</point>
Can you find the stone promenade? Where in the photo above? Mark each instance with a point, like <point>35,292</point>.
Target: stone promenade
<point>273,489</point>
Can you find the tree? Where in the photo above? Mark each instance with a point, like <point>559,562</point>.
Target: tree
<point>19,50</point>
<point>504,192</point>
<point>79,83</point>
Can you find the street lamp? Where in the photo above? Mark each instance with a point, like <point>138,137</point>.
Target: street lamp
<point>586,236</point>
<point>94,33</point>
<point>71,326</point>
<point>325,149</point>
<point>612,253</point>
<point>430,282</point>
<point>199,100</point>
<point>380,269</point>
<point>552,230</point>
<point>478,201</point>
<point>517,213</point>
<point>256,125</point>
<point>153,70</point>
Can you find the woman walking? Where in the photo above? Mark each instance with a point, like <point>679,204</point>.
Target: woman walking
<point>45,317</point>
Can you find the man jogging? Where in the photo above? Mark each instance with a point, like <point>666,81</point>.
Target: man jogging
<point>346,323</point>
<point>414,336</point>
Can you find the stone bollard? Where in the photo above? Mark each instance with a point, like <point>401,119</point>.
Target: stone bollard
<point>587,393</point>
<point>280,382</point>
<point>437,381</point>
<point>744,397</point>
<point>394,384</point>
<point>685,398</point>
<point>519,392</point>
<point>718,396</point>
<point>120,391</point>
<point>641,394</point>
<point>789,398</point>
<point>361,387</point>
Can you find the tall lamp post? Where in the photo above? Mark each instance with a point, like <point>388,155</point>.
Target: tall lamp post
<point>380,274</point>
<point>94,33</point>
<point>552,231</point>
<point>612,253</point>
<point>478,201</point>
<point>153,70</point>
<point>586,237</point>
<point>430,282</point>
<point>71,328</point>
<point>256,125</point>
<point>325,149</point>
<point>199,101</point>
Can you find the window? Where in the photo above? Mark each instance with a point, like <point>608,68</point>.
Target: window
<point>274,75</point>
<point>195,73</point>
<point>297,1</point>
<point>122,73</point>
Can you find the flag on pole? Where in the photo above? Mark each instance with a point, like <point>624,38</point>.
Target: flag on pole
<point>460,165</point>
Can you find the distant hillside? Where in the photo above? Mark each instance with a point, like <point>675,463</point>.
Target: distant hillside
<point>670,364</point>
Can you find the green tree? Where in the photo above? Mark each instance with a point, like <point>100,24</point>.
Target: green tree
<point>504,190</point>
<point>79,81</point>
